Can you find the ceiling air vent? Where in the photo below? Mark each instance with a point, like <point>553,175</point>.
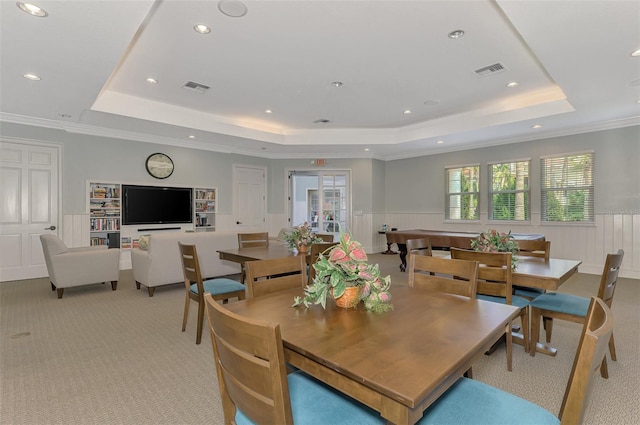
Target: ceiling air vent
<point>490,70</point>
<point>321,121</point>
<point>198,88</point>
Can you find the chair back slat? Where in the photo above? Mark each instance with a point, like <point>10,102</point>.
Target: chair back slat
<point>539,249</point>
<point>268,276</point>
<point>419,246</point>
<point>494,273</point>
<point>190,266</point>
<point>444,275</point>
<point>596,333</point>
<point>253,240</point>
<point>249,359</point>
<point>316,250</point>
<point>610,277</point>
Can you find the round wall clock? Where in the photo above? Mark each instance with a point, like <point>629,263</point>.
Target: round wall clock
<point>159,165</point>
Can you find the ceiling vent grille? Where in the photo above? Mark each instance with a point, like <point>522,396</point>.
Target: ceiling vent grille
<point>196,87</point>
<point>321,121</point>
<point>496,68</point>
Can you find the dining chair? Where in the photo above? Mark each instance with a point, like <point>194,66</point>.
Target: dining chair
<point>573,308</point>
<point>316,250</point>
<point>419,246</point>
<point>267,276</point>
<point>326,237</point>
<point>221,289</point>
<point>535,249</point>
<point>473,402</point>
<point>495,284</point>
<point>254,384</point>
<point>251,240</point>
<point>459,277</point>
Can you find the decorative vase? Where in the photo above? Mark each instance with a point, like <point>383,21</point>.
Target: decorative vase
<point>303,249</point>
<point>350,298</point>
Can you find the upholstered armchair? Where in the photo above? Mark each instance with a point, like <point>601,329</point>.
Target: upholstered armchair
<point>69,267</point>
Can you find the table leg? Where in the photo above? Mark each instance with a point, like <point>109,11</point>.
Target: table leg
<point>389,250</point>
<point>403,256</point>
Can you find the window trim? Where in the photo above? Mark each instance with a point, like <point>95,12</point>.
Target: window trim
<point>491,192</point>
<point>448,194</point>
<point>544,189</point>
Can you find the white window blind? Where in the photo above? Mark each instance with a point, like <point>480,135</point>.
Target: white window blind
<point>509,194</point>
<point>567,188</point>
<point>462,192</point>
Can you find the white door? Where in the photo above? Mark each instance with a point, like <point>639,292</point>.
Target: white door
<point>249,197</point>
<point>28,208</point>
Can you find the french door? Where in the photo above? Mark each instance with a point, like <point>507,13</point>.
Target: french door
<point>320,198</point>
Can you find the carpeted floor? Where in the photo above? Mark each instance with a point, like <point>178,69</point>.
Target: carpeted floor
<point>103,357</point>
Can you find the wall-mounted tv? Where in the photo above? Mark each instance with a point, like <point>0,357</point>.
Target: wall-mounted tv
<point>156,205</point>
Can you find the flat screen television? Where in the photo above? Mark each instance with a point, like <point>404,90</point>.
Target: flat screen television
<point>156,205</point>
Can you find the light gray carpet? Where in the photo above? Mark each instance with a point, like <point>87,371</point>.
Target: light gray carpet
<point>103,357</point>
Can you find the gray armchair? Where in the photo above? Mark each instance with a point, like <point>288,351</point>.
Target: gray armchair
<point>69,267</point>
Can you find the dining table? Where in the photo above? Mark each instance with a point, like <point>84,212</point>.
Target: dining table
<point>398,362</point>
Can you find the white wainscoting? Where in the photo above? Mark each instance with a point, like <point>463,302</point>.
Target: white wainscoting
<point>587,243</point>
<point>590,244</point>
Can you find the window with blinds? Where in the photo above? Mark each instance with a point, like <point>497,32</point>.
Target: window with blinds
<point>567,188</point>
<point>462,193</point>
<point>509,194</point>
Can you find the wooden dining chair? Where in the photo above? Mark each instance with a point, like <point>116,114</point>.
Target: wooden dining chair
<point>267,276</point>
<point>495,284</point>
<point>573,308</point>
<point>473,402</point>
<point>457,277</point>
<point>221,289</point>
<point>419,246</point>
<point>251,240</point>
<point>535,249</point>
<point>326,237</point>
<point>254,384</point>
<point>316,250</point>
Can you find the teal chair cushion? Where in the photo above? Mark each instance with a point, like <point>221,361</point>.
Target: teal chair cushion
<point>515,300</point>
<point>563,303</point>
<point>218,286</point>
<point>472,402</point>
<point>314,403</point>
<point>523,291</point>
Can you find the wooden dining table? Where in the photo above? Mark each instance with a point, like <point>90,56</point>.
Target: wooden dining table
<point>398,362</point>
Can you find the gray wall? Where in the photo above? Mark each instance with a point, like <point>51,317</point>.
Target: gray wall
<point>617,171</point>
<point>375,184</point>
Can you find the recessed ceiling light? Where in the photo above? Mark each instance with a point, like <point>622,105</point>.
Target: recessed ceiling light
<point>336,83</point>
<point>32,77</point>
<point>638,101</point>
<point>232,8</point>
<point>536,126</point>
<point>636,53</point>
<point>456,34</point>
<point>32,9</point>
<point>367,149</point>
<point>151,80</point>
<point>407,111</point>
<point>202,29</point>
<point>191,136</point>
<point>440,142</point>
<point>512,84</point>
<point>268,111</point>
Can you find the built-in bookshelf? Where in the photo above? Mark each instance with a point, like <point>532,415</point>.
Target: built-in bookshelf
<point>205,209</point>
<point>104,213</point>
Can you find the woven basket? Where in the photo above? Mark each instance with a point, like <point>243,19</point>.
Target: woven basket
<point>350,298</point>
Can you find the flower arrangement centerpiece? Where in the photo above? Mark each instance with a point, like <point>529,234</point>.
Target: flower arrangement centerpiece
<point>494,241</point>
<point>345,268</point>
<point>300,237</point>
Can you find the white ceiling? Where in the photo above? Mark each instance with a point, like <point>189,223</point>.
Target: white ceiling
<point>572,60</point>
